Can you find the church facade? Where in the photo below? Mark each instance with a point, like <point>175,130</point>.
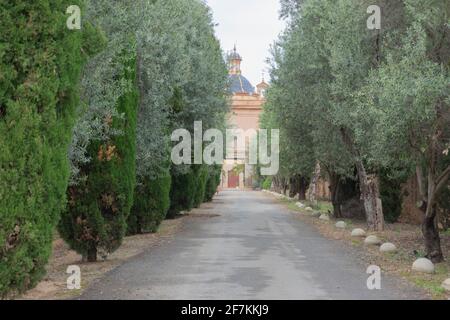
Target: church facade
<point>246,107</point>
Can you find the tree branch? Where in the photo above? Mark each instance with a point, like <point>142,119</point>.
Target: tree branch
<point>442,179</point>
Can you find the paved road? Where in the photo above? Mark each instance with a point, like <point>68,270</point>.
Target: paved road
<point>254,249</point>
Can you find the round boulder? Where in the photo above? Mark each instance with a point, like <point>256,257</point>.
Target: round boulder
<point>308,209</point>
<point>300,205</point>
<point>372,240</point>
<point>388,247</point>
<point>315,214</point>
<point>446,284</point>
<point>341,225</point>
<point>324,217</point>
<point>423,265</point>
<point>358,233</point>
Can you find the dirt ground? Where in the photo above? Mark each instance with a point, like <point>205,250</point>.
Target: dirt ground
<point>54,286</point>
<point>408,239</point>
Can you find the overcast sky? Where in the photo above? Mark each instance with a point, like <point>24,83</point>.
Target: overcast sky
<point>253,25</point>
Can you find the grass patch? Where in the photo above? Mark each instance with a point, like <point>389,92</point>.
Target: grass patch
<point>432,282</point>
<point>433,286</point>
<point>324,206</point>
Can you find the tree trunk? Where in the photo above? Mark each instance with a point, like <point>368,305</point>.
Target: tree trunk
<point>303,186</point>
<point>275,184</point>
<point>312,197</point>
<point>285,186</point>
<point>370,193</point>
<point>432,241</point>
<point>335,181</point>
<point>428,206</point>
<point>293,186</point>
<point>92,254</point>
<point>297,185</point>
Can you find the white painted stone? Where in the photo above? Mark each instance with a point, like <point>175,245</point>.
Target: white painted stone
<point>308,209</point>
<point>341,225</point>
<point>324,217</point>
<point>372,240</point>
<point>423,265</point>
<point>446,284</point>
<point>358,233</point>
<point>300,205</point>
<point>315,214</point>
<point>388,247</point>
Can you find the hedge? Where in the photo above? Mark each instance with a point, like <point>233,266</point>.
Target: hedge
<point>182,193</point>
<point>201,178</point>
<point>212,183</point>
<point>151,203</point>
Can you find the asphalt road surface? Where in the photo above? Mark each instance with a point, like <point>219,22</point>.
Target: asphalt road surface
<point>253,249</point>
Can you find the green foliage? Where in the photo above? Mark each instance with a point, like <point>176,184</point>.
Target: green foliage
<point>165,53</point>
<point>151,203</point>
<point>212,183</point>
<point>391,195</point>
<point>377,100</point>
<point>183,79</point>
<point>267,183</point>
<point>201,178</point>
<point>98,206</point>
<point>40,67</point>
<point>182,192</point>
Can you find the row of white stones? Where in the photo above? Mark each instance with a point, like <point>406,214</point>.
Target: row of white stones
<point>420,265</point>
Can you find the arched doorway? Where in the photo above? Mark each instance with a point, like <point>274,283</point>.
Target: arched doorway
<point>233,179</point>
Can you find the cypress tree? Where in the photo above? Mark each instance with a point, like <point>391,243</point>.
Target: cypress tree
<point>40,68</point>
<point>213,181</point>
<point>98,206</point>
<point>151,202</point>
<point>182,192</point>
<point>201,178</point>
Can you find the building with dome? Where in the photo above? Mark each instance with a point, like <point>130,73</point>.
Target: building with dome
<point>246,106</point>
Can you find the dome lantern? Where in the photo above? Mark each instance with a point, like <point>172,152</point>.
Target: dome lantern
<point>234,62</point>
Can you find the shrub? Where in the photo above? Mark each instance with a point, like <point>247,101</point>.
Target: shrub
<point>267,183</point>
<point>182,192</point>
<point>391,195</point>
<point>151,203</point>
<point>212,182</point>
<point>201,177</point>
<point>95,219</point>
<point>39,70</point>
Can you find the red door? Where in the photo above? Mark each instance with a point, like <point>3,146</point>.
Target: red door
<point>233,180</point>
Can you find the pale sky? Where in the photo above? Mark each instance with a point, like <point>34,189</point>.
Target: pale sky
<point>253,25</point>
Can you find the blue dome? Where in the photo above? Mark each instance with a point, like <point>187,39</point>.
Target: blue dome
<point>240,84</point>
